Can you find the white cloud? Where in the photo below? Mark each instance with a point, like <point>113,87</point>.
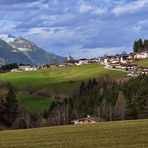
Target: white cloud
<point>130,7</point>
<point>137,28</point>
<point>7,26</point>
<point>84,8</point>
<point>96,52</point>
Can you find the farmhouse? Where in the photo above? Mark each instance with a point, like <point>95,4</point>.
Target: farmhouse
<point>26,68</point>
<point>83,61</point>
<point>142,55</point>
<point>87,120</point>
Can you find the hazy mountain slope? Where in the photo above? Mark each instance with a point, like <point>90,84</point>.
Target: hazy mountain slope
<point>11,55</point>
<point>34,53</point>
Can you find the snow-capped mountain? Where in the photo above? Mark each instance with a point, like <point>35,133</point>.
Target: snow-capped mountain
<point>8,38</point>
<point>12,55</point>
<point>36,54</point>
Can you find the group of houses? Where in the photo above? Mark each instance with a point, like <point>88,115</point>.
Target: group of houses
<point>121,62</point>
<point>24,68</point>
<point>88,120</point>
<point>124,62</point>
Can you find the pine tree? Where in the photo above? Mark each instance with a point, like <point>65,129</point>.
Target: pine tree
<point>145,44</point>
<point>119,109</point>
<point>140,45</point>
<point>11,105</point>
<point>135,46</point>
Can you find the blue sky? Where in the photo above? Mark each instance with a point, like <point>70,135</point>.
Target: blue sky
<point>84,28</point>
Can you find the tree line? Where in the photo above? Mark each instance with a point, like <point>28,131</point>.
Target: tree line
<point>104,98</point>
<point>140,45</point>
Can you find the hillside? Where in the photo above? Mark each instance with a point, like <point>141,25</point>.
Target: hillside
<point>36,54</point>
<point>122,134</point>
<point>50,81</point>
<point>12,55</point>
<point>55,78</point>
<point>143,62</point>
<point>22,51</point>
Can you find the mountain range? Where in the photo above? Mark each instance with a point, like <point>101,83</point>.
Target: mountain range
<point>23,51</point>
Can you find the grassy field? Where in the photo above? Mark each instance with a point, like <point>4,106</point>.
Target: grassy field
<point>35,103</point>
<point>143,63</point>
<point>127,134</point>
<point>54,80</point>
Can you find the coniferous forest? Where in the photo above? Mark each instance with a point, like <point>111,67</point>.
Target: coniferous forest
<point>140,45</point>
<point>104,98</point>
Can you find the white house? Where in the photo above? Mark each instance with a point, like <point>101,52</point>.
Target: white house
<point>142,55</point>
<point>88,120</point>
<point>124,59</point>
<point>27,68</point>
<point>83,61</point>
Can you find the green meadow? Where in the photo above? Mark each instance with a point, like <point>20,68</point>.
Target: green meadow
<point>35,103</point>
<point>123,134</point>
<point>56,78</point>
<point>142,63</point>
<point>60,80</point>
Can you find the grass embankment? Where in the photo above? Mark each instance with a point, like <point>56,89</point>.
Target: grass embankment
<point>142,63</point>
<point>54,80</point>
<point>35,103</point>
<point>131,134</point>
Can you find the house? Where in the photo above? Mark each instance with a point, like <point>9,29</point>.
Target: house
<point>114,59</point>
<point>131,57</point>
<point>142,55</point>
<point>133,74</point>
<point>94,60</point>
<point>88,120</point>
<point>15,70</point>
<point>124,59</point>
<point>83,61</point>
<point>26,68</point>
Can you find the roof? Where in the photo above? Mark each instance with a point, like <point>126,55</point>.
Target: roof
<point>97,119</point>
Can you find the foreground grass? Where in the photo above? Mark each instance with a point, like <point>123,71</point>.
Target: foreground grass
<point>127,134</point>
<point>143,62</point>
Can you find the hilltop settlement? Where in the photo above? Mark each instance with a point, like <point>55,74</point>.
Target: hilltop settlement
<point>123,62</point>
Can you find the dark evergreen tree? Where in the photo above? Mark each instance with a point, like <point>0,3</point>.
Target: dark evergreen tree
<point>145,44</point>
<point>11,105</point>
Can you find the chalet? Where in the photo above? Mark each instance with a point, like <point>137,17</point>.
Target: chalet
<point>88,120</point>
<point>131,67</point>
<point>131,57</point>
<point>15,70</point>
<point>124,59</point>
<point>94,60</point>
<point>142,55</point>
<point>26,68</point>
<point>83,61</point>
<point>133,74</point>
<point>114,59</point>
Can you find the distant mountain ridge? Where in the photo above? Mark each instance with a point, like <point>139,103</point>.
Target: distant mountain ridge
<point>26,52</point>
<point>12,55</point>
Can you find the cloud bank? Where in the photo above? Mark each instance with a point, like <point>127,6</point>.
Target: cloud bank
<point>88,28</point>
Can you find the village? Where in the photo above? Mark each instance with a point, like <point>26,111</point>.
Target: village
<point>122,62</point>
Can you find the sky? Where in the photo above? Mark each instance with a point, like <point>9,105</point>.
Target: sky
<point>82,28</point>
